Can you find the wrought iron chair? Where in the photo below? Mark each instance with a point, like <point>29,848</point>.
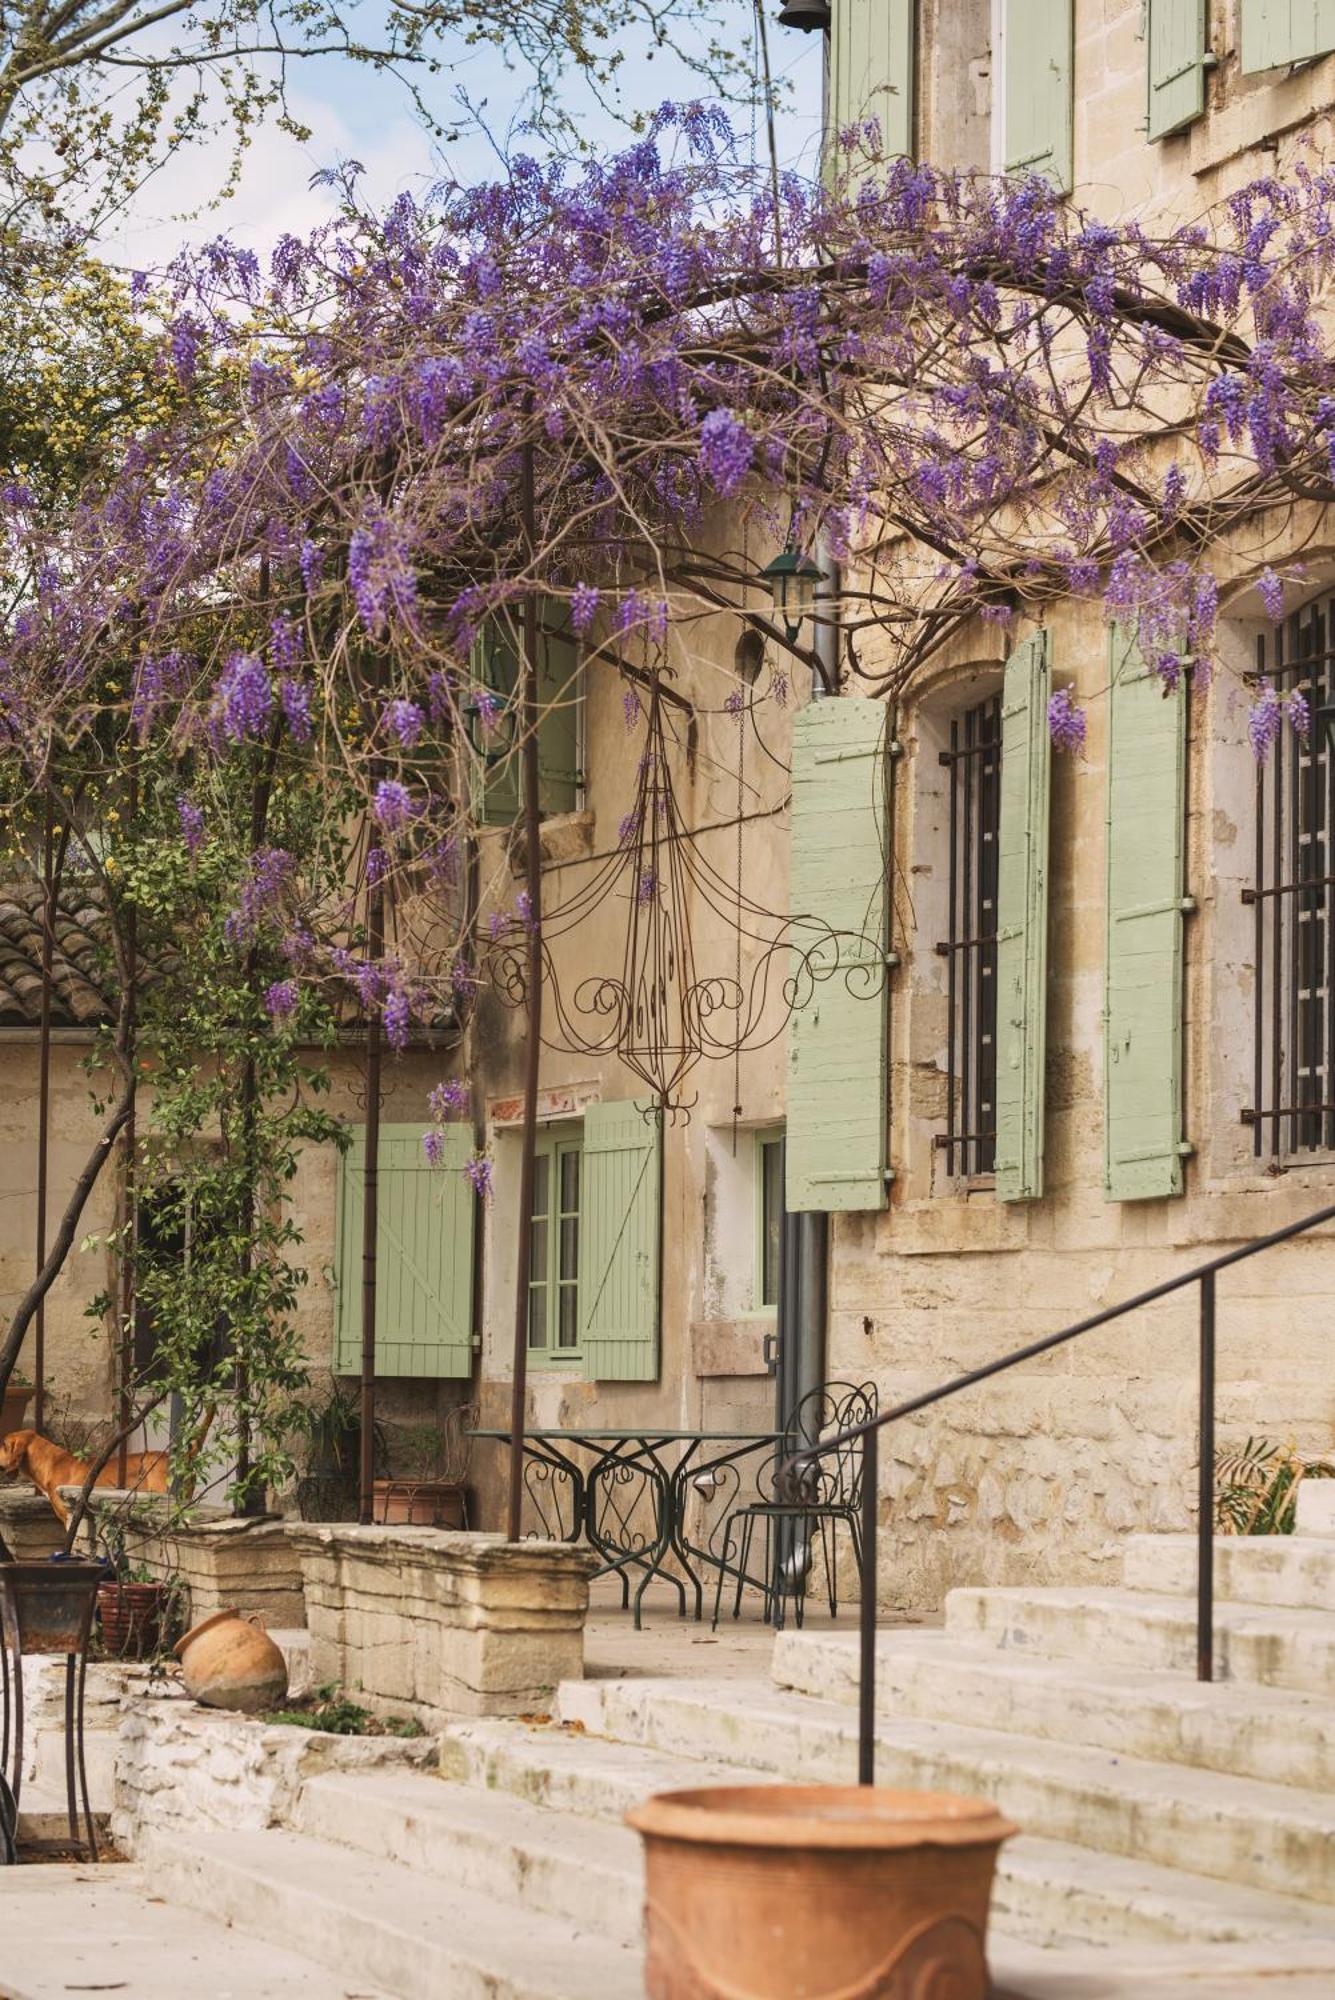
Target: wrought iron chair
<point>796,1504</point>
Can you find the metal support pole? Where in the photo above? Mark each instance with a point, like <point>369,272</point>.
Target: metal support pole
<point>533,996</point>
<point>375,948</point>
<point>1205,1520</point>
<point>44,1100</point>
<point>867,1613</point>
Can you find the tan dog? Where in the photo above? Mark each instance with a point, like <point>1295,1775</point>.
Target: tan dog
<point>50,1468</point>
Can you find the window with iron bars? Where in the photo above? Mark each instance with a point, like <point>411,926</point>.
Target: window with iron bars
<point>970,947</point>
<point>1292,1112</point>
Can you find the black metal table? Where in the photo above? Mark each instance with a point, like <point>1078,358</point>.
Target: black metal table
<point>636,1473</point>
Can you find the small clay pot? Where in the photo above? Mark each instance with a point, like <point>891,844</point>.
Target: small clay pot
<point>231,1662</point>
<point>419,1503</point>
<point>808,1892</point>
<point>14,1405</point>
<point>133,1617</point>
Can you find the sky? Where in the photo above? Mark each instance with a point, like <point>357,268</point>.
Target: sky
<point>354,113</point>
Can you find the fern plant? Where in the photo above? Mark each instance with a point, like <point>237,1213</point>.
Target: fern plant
<point>1256,1486</point>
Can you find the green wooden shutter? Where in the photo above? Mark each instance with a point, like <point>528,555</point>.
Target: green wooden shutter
<point>840,869</point>
<point>1146,862</point>
<point>558,696</point>
<point>1039,62</point>
<point>424,1256</point>
<point>1275,32</point>
<point>619,1229</point>
<point>1022,920</point>
<point>1176,37</point>
<point>496,665</point>
<point>871,70</point>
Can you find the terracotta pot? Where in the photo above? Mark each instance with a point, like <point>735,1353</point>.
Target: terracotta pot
<point>419,1503</point>
<point>805,1892</point>
<point>14,1406</point>
<point>231,1662</point>
<point>133,1617</point>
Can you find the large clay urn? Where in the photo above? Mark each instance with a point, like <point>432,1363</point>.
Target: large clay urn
<point>231,1662</point>
<point>808,1892</point>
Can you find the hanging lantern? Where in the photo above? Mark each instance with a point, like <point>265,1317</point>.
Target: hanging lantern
<point>811,16</point>
<point>792,580</point>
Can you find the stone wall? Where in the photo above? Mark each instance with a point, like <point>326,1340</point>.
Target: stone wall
<point>179,1766</point>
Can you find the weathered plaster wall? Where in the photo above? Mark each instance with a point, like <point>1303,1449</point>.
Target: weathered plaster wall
<point>78,1363</point>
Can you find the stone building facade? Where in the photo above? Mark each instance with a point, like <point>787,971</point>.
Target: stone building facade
<point>1158,109</point>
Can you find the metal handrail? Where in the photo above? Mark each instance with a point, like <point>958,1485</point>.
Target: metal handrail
<point>1200,1274</point>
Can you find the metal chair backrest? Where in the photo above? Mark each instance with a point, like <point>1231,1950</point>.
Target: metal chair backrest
<point>835,1478</point>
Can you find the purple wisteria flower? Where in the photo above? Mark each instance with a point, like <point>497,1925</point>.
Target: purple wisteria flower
<point>646,890</point>
<point>448,1099</point>
<point>281,999</point>
<point>479,1172</point>
<point>1263,722</point>
<point>312,565</point>
<point>629,828</point>
<point>778,687</point>
<point>377,865</point>
<point>187,337</point>
<point>398,1016</point>
<point>270,877</point>
<point>1270,590</point>
<point>380,575</point>
<point>245,697</point>
<point>1066,721</point>
<point>631,707</point>
<point>191,819</point>
<point>295,697</point>
<point>1299,713</point>
<point>583,606</point>
<point>735,702</point>
<point>433,1145</point>
<point>404,720</point>
<point>726,449</point>
<point>286,644</point>
<point>392,805</point>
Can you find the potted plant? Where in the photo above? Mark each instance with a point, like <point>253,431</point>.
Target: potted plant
<point>14,1404</point>
<point>427,1488</point>
<point>328,1448</point>
<point>137,1612</point>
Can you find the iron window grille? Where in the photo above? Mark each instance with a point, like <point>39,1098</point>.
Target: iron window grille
<point>970,947</point>
<point>1293,1074</point>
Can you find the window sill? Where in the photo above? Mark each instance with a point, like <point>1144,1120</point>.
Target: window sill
<point>563,838</point>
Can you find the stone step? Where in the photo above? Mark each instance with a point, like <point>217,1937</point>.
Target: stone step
<point>1295,1571</point>
<point>486,1842</point>
<point>1267,1646</point>
<point>1272,1837</point>
<point>108,1930</point>
<point>377,1921</point>
<point>1276,1734</point>
<point>591,1871</point>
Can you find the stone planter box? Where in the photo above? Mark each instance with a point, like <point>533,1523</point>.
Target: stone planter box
<point>221,1561</point>
<point>436,1624</point>
<point>28,1524</point>
<point>182,1769</point>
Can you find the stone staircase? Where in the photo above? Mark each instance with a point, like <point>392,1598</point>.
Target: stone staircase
<point>1177,1839</point>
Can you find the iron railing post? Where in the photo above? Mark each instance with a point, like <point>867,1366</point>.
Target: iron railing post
<point>867,1613</point>
<point>1205,1501</point>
